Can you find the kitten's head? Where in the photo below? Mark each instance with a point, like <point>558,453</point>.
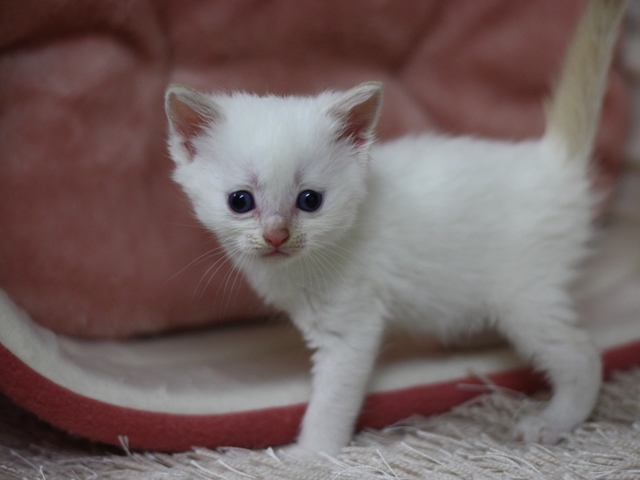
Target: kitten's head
<point>273,177</point>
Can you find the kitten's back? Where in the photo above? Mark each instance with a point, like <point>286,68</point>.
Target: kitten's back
<point>473,213</point>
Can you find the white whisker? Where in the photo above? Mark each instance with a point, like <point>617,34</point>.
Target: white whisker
<point>219,263</point>
<point>199,259</point>
<point>325,255</point>
<point>238,267</point>
<point>333,247</point>
<point>318,269</point>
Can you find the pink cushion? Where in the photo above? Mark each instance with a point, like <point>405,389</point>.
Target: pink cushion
<point>95,238</point>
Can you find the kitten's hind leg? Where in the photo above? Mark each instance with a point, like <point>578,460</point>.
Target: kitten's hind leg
<point>547,336</point>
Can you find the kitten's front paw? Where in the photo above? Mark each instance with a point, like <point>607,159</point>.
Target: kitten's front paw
<point>538,430</point>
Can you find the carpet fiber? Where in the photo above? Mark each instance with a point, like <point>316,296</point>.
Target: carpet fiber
<point>472,441</point>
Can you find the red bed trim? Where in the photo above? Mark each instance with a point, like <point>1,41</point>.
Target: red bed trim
<point>103,422</point>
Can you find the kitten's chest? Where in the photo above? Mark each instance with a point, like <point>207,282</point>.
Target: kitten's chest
<point>299,287</point>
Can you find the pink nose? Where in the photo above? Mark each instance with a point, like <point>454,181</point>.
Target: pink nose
<point>276,238</point>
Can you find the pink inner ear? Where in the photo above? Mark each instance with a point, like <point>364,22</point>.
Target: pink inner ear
<point>188,121</point>
<point>359,122</point>
<point>355,130</point>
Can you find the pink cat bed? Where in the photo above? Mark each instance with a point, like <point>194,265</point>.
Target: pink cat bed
<point>247,386</point>
<point>97,242</point>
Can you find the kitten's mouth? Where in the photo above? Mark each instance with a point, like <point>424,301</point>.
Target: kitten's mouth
<point>280,252</point>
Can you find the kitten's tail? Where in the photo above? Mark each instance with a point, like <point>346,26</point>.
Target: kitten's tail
<point>572,114</point>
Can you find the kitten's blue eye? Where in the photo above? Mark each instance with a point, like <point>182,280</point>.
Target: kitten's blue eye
<point>309,201</point>
<point>241,201</point>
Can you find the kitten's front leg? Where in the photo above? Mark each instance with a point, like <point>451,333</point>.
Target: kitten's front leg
<point>345,353</point>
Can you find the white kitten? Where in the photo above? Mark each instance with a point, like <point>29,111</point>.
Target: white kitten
<point>445,235</point>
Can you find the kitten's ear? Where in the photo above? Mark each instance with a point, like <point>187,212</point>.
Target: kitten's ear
<point>190,113</point>
<point>358,110</point>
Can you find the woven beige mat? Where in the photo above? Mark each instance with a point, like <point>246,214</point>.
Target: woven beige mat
<point>471,442</point>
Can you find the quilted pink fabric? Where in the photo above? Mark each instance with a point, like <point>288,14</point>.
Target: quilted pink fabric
<point>95,239</point>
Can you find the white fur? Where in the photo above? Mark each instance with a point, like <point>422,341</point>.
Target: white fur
<point>442,235</point>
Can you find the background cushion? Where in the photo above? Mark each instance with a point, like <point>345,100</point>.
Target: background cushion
<point>95,238</point>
